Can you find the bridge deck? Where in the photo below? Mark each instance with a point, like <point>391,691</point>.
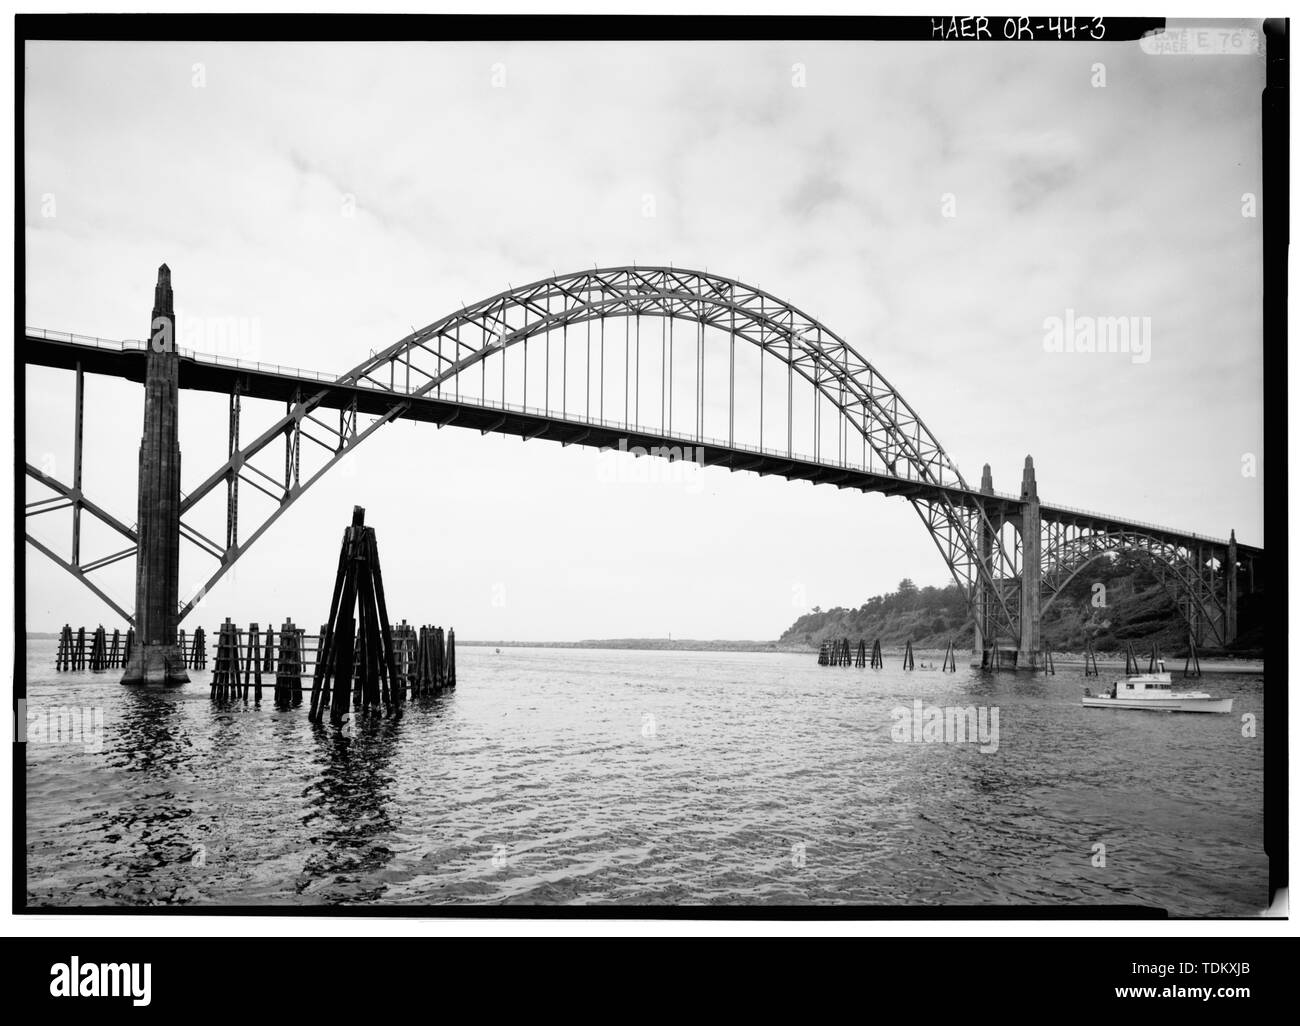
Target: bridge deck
<point>207,372</point>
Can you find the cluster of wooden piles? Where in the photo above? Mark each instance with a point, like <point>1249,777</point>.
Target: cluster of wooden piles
<point>356,645</point>
<point>842,653</point>
<point>103,653</point>
<point>425,659</point>
<point>241,661</point>
<point>1132,666</point>
<point>195,651</point>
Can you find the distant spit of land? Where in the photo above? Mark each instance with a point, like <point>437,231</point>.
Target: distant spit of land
<point>1108,661</point>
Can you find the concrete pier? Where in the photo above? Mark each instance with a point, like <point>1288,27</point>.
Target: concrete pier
<point>156,657</point>
<point>984,636</point>
<point>1230,606</point>
<point>1031,567</point>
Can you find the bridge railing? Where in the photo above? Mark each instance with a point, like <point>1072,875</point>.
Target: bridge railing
<point>1136,523</point>
<point>822,461</point>
<point>214,359</point>
<point>400,388</point>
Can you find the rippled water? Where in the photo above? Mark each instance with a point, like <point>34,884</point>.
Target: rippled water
<point>581,776</point>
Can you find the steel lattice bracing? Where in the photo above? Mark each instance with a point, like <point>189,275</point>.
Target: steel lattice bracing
<point>543,361</point>
<point>73,497</point>
<point>1192,574</point>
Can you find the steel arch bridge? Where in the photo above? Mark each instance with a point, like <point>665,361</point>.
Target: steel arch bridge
<point>605,357</point>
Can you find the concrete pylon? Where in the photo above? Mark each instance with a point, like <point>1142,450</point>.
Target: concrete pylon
<point>1230,608</point>
<point>983,641</point>
<point>156,658</point>
<point>1031,568</point>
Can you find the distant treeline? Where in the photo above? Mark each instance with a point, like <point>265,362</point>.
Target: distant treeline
<point>1137,609</point>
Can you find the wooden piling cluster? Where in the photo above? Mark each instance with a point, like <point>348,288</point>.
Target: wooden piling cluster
<point>358,586</point>
<point>424,661</point>
<point>835,653</point>
<point>430,664</point>
<point>196,656</point>
<point>268,659</point>
<point>75,658</point>
<point>241,659</point>
<point>99,650</point>
<point>65,658</point>
<point>950,658</point>
<point>842,653</point>
<point>289,667</point>
<point>73,654</point>
<point>435,661</point>
<point>225,666</point>
<point>253,663</point>
<point>406,653</point>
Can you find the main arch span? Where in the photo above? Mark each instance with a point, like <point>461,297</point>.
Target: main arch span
<point>655,360</point>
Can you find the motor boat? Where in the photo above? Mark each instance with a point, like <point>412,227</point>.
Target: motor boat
<point>1154,692</point>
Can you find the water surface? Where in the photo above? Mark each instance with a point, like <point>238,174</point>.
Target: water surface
<point>623,777</point>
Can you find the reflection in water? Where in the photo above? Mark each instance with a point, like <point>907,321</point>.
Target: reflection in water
<point>147,739</point>
<point>145,836</point>
<point>351,809</point>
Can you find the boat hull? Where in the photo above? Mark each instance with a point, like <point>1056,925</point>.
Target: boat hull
<point>1171,704</point>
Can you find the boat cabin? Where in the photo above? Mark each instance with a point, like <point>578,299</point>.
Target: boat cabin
<point>1146,682</point>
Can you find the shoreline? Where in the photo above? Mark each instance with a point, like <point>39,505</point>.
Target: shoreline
<point>1215,664</point>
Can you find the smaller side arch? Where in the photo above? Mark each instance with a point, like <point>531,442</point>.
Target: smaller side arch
<point>1177,569</point>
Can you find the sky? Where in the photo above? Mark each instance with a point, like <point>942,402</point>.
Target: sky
<point>934,204</point>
